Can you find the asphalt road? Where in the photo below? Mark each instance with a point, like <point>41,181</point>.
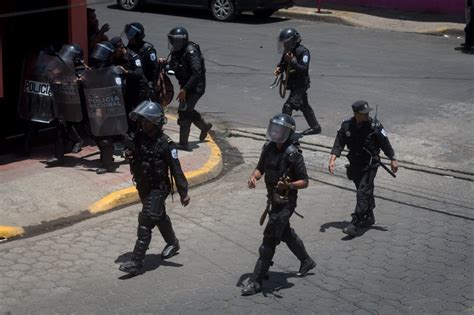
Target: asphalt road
<point>424,87</point>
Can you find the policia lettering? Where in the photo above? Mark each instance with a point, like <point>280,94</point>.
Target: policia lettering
<point>285,172</point>
<point>364,136</point>
<point>295,65</point>
<point>153,155</point>
<point>187,62</point>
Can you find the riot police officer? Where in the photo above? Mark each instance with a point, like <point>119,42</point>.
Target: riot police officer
<point>102,57</point>
<point>70,55</point>
<point>295,63</point>
<point>187,63</point>
<point>135,33</point>
<point>136,85</point>
<point>364,136</point>
<point>285,173</point>
<point>153,155</point>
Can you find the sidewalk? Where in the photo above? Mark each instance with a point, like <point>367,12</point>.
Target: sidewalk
<point>33,197</point>
<point>392,20</point>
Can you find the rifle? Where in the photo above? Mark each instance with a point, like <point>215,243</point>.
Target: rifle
<point>372,154</point>
<point>282,81</point>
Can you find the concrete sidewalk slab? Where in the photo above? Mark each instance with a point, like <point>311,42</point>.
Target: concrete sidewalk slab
<point>32,195</point>
<point>371,18</point>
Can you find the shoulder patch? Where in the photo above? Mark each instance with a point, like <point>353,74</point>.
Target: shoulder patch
<point>174,153</point>
<point>305,58</point>
<point>138,63</point>
<point>152,56</point>
<point>384,132</point>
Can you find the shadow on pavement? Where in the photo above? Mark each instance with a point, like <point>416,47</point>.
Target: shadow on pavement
<point>204,14</point>
<point>342,224</point>
<point>152,262</point>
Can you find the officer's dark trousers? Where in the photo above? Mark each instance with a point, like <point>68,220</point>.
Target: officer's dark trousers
<point>153,214</point>
<point>65,134</point>
<point>278,229</point>
<point>106,146</point>
<point>363,178</point>
<point>298,100</point>
<point>187,116</point>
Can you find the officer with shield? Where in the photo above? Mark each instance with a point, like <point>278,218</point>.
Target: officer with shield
<point>294,65</point>
<point>187,63</point>
<point>103,93</point>
<point>285,173</point>
<point>68,101</point>
<point>154,165</point>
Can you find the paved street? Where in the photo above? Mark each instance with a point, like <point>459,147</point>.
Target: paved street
<point>415,260</point>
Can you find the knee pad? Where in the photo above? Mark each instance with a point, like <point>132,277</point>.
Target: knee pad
<point>267,250</point>
<point>143,232</point>
<point>287,109</point>
<point>290,236</point>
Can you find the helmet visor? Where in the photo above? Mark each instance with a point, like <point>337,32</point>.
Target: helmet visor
<point>149,110</point>
<point>69,53</point>
<point>177,42</point>
<point>131,31</point>
<point>278,131</point>
<point>101,52</point>
<point>285,45</point>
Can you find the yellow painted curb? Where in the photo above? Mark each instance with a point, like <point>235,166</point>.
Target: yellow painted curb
<point>10,231</point>
<point>126,196</point>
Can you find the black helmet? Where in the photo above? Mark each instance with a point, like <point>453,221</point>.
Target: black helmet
<point>102,51</point>
<point>288,39</point>
<point>178,39</point>
<point>151,111</point>
<point>134,31</point>
<point>281,128</point>
<point>71,53</point>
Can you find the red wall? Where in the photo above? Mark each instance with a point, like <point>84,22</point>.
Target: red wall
<point>451,7</point>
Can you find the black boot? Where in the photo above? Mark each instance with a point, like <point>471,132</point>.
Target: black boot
<point>184,138</point>
<point>254,285</point>
<point>204,127</point>
<point>314,126</point>
<point>297,247</point>
<point>170,250</point>
<point>132,267</point>
<point>351,229</point>
<point>53,162</point>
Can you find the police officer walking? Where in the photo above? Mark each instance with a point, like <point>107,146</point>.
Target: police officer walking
<point>135,33</point>
<point>364,136</point>
<point>285,173</point>
<point>187,63</point>
<point>295,63</point>
<point>153,155</point>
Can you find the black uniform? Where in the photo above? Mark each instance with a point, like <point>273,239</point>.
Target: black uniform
<point>152,161</point>
<point>147,54</point>
<point>469,29</point>
<point>189,68</point>
<point>275,164</point>
<point>361,139</point>
<point>136,85</point>
<point>298,84</point>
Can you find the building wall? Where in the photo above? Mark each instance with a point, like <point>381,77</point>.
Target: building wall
<point>451,7</point>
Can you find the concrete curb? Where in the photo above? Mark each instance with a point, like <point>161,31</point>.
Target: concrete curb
<point>7,232</point>
<point>127,196</point>
<point>321,17</point>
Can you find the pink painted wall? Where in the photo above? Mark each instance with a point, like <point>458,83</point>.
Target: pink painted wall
<point>452,7</point>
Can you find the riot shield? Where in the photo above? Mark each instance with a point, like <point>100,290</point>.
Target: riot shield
<point>65,90</point>
<point>104,101</point>
<point>36,101</point>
